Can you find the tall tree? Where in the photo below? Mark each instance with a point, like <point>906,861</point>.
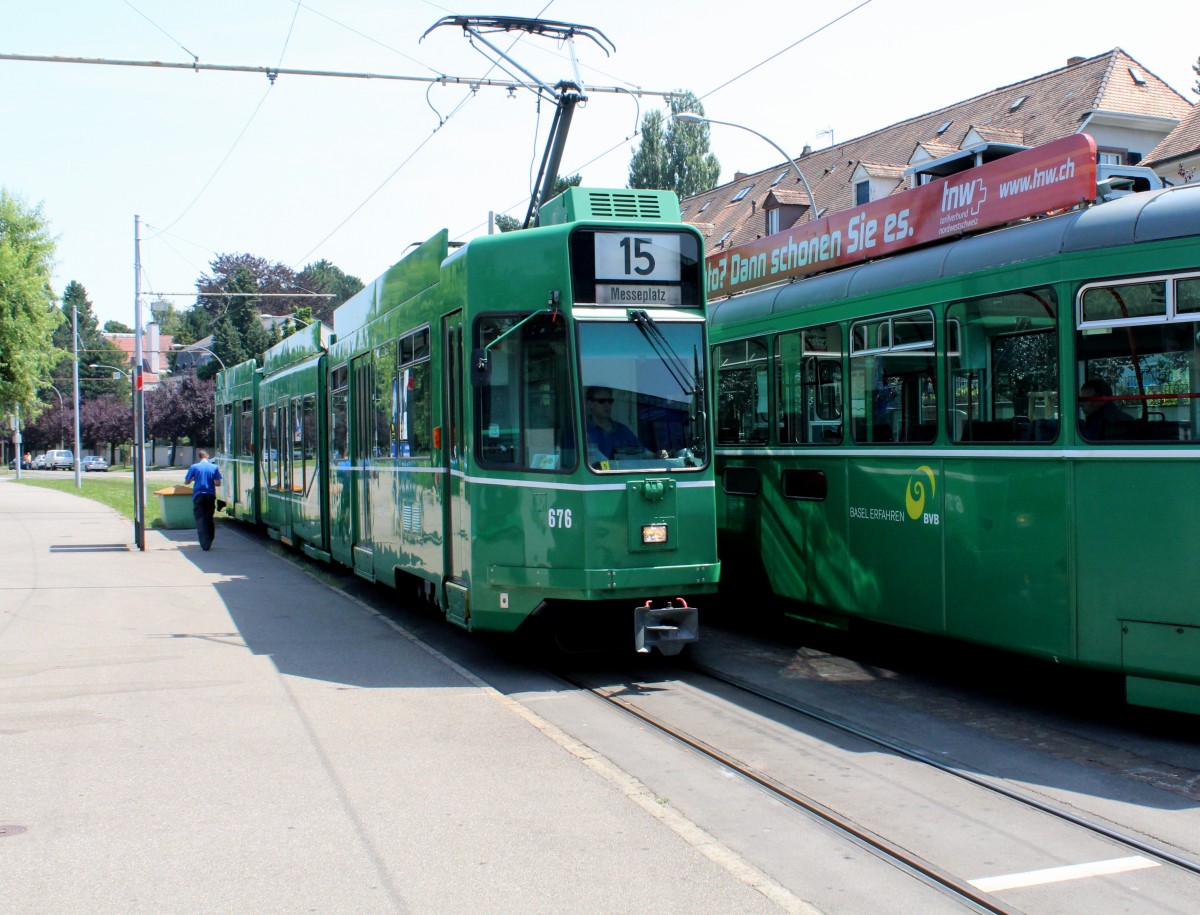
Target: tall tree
<point>28,315</point>
<point>672,155</point>
<point>267,277</point>
<point>323,277</point>
<point>94,348</point>
<point>1196,70</point>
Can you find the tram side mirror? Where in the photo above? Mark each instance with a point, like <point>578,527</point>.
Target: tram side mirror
<point>481,368</point>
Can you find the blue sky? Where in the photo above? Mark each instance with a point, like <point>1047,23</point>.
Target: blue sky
<point>356,170</point>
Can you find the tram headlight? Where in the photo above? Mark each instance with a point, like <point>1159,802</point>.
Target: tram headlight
<point>654,533</point>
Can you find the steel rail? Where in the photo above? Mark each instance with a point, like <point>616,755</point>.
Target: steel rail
<point>1112,835</point>
<point>924,870</point>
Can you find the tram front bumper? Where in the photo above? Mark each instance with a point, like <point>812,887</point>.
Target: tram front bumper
<point>667,628</point>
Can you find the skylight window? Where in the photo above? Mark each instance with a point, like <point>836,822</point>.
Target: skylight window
<point>941,130</point>
<point>707,204</point>
<point>1138,79</point>
<point>1018,103</point>
<point>725,237</point>
<point>742,193</point>
<point>782,175</point>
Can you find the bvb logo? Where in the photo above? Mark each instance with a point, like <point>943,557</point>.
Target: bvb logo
<point>914,495</point>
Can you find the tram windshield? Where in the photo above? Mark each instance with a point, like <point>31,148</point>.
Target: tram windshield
<point>642,383</point>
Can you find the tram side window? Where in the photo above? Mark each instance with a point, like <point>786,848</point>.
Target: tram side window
<point>524,414</point>
<point>809,386</point>
<point>270,450</point>
<point>893,380</point>
<point>226,449</point>
<point>385,401</point>
<point>1136,356</point>
<point>246,429</point>
<point>308,442</point>
<point>743,411</point>
<point>1002,356</point>
<point>295,447</point>
<point>415,396</point>
<point>339,426</point>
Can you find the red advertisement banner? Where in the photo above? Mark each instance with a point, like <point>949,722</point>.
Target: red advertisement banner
<point>1039,180</point>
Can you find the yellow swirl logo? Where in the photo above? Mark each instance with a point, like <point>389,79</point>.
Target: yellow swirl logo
<point>914,496</point>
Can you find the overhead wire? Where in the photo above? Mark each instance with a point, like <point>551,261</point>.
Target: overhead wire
<point>442,122</point>
<point>245,127</point>
<point>637,131</point>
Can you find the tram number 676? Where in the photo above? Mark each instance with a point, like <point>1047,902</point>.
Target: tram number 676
<point>559,517</point>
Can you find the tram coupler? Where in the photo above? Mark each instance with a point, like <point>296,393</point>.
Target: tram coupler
<point>666,628</point>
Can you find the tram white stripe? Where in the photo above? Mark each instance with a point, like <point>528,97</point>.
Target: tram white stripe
<point>1060,874</point>
<point>1188,452</point>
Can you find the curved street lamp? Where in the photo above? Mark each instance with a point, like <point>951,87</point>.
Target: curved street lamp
<point>62,409</point>
<point>690,117</point>
<point>190,347</point>
<point>100,365</point>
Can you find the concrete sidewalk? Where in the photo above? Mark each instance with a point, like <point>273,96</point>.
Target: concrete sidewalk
<point>219,732</point>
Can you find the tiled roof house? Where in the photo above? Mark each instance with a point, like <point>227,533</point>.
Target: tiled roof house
<point>1122,105</point>
<point>1177,158</point>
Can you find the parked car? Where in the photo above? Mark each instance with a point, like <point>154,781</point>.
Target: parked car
<point>60,460</point>
<point>93,462</point>
<point>39,462</point>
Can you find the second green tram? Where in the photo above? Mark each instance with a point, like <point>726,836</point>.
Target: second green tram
<point>517,427</point>
<point>995,439</point>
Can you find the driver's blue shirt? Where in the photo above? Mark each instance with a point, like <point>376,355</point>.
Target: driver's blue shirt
<point>608,442</point>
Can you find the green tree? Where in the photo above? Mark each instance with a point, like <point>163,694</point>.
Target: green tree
<point>323,277</point>
<point>94,347</point>
<point>116,327</point>
<point>1196,70</point>
<point>672,155</point>
<point>28,316</point>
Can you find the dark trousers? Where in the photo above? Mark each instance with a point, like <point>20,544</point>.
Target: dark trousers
<point>203,506</point>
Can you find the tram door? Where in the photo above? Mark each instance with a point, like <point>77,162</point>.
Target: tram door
<point>455,540</point>
<point>363,439</point>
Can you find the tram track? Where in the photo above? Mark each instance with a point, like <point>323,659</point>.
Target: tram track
<point>880,846</point>
<point>1098,829</point>
<point>922,867</point>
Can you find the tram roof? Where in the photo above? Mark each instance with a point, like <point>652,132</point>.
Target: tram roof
<point>1133,219</point>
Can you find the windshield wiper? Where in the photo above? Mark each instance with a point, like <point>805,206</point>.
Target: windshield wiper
<point>665,352</point>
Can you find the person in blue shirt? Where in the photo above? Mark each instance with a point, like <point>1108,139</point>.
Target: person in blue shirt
<point>604,433</point>
<point>204,477</point>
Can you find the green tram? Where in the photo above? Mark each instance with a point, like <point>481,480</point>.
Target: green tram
<point>516,427</point>
<point>995,439</point>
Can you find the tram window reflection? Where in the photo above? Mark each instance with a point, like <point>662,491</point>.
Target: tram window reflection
<point>1003,365</point>
<point>1136,356</point>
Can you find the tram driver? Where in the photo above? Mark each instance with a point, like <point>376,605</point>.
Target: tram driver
<point>605,434</point>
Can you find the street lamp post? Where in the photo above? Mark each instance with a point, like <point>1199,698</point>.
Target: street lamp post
<point>139,504</point>
<point>690,117</point>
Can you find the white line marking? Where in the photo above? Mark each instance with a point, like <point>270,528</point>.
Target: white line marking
<point>1059,874</point>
